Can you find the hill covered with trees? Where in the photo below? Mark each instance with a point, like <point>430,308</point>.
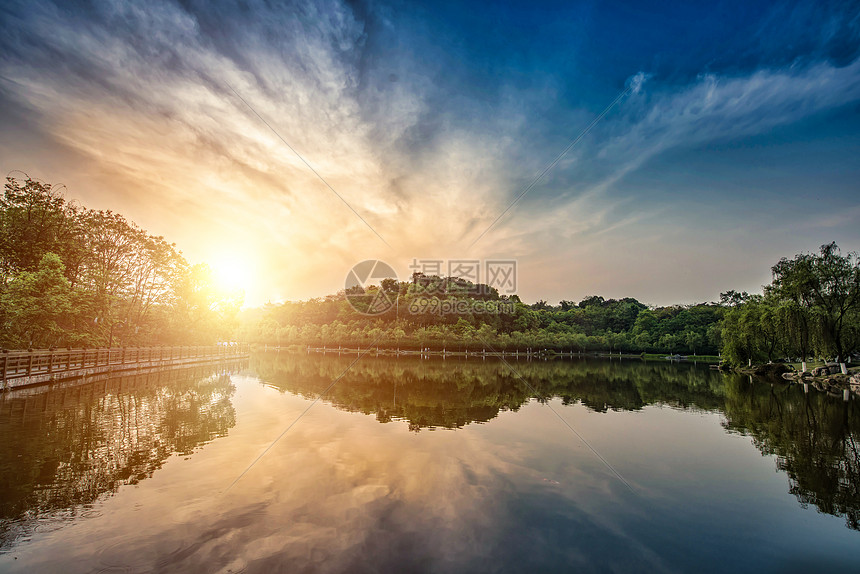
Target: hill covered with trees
<point>593,324</point>
<point>811,309</point>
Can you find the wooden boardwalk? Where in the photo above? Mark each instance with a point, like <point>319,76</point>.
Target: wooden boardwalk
<point>24,368</point>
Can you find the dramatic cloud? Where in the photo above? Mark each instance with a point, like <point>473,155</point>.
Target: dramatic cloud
<point>196,119</point>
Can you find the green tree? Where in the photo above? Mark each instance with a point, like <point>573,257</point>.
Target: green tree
<point>34,220</point>
<point>824,290</point>
<point>693,340</point>
<point>36,306</point>
<point>751,331</point>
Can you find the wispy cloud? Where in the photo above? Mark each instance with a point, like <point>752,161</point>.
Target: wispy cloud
<point>142,94</point>
<point>592,218</point>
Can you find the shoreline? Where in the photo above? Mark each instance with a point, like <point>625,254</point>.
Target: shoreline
<point>826,378</point>
<point>516,354</point>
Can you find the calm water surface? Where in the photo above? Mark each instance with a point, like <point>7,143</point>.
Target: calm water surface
<point>410,465</point>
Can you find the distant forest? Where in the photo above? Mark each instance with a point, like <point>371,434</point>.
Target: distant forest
<point>593,324</point>
<point>811,309</point>
<point>71,276</point>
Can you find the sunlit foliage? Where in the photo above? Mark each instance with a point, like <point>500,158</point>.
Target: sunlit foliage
<point>71,276</point>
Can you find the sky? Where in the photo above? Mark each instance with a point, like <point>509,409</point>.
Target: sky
<point>284,142</point>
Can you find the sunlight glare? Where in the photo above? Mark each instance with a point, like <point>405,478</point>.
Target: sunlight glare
<point>232,271</point>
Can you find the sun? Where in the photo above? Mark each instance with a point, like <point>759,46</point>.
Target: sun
<point>232,271</point>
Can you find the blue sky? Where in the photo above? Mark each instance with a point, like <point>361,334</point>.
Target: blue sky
<point>738,145</point>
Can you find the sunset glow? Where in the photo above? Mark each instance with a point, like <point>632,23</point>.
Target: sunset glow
<point>232,271</point>
<point>423,131</point>
<point>430,286</point>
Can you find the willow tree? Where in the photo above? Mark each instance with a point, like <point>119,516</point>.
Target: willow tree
<point>823,295</point>
<point>794,320</point>
<point>751,331</point>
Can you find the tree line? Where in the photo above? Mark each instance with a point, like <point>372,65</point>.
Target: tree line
<point>593,324</point>
<point>78,277</point>
<point>72,276</point>
<point>811,309</point>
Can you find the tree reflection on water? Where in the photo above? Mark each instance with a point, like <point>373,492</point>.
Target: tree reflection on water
<point>812,435</point>
<point>63,449</point>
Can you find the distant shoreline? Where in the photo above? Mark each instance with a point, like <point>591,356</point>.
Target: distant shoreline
<point>444,352</point>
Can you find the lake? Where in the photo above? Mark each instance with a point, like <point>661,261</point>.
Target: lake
<point>430,465</point>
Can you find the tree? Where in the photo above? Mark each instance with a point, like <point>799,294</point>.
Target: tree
<point>36,306</point>
<point>740,335</point>
<point>824,290</point>
<point>591,301</point>
<point>693,340</point>
<point>119,280</point>
<point>669,342</point>
<point>646,322</point>
<point>794,320</point>
<point>34,220</point>
<point>731,298</point>
<point>199,313</point>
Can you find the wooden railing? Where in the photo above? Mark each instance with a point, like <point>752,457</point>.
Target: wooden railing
<point>18,364</point>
